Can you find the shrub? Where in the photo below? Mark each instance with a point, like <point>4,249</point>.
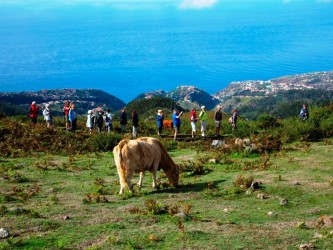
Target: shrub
<point>104,141</point>
<point>265,121</point>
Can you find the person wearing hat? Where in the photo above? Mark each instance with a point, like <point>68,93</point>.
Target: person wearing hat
<point>89,123</point>
<point>159,121</point>
<point>203,120</point>
<point>193,120</point>
<point>33,112</point>
<point>176,122</point>
<point>47,115</point>
<point>218,120</point>
<point>108,120</point>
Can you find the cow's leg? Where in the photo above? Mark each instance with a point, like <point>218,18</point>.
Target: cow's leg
<point>153,174</point>
<point>129,176</point>
<point>122,179</point>
<point>142,174</point>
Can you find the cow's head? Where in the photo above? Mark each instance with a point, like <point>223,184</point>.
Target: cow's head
<point>173,175</point>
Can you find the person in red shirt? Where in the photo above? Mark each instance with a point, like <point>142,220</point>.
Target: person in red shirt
<point>193,119</point>
<point>66,109</point>
<point>33,112</point>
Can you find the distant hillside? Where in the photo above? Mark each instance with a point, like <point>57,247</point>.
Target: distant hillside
<point>185,96</point>
<point>84,100</point>
<point>317,80</point>
<point>148,107</point>
<point>281,97</point>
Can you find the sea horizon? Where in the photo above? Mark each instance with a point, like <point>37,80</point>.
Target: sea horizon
<point>129,49</point>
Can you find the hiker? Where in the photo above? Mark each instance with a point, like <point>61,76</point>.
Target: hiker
<point>193,120</point>
<point>47,115</point>
<point>89,123</point>
<point>159,121</point>
<point>123,120</point>
<point>218,120</point>
<point>233,121</point>
<point>108,121</point>
<point>33,112</point>
<point>176,122</point>
<point>304,114</point>
<point>203,119</point>
<point>66,109</point>
<point>100,121</point>
<point>72,117</point>
<point>135,123</point>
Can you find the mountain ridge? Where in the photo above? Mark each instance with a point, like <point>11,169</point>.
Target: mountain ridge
<point>236,95</point>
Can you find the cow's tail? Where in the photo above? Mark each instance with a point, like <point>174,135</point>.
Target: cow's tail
<point>120,164</point>
<point>120,146</point>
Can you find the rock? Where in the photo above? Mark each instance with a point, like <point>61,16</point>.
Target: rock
<point>318,236</point>
<point>256,147</point>
<point>239,142</point>
<point>306,246</point>
<point>212,161</point>
<point>216,143</point>
<point>247,150</point>
<point>262,196</point>
<point>325,221</point>
<point>255,185</point>
<point>284,202</point>
<point>3,233</point>
<point>18,210</point>
<point>302,225</point>
<point>248,192</point>
<point>181,214</point>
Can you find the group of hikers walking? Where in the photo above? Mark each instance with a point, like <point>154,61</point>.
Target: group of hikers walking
<point>103,121</point>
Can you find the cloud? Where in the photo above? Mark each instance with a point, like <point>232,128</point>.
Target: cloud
<point>197,4</point>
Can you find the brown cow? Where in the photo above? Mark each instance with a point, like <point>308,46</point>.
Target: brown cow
<point>168,124</point>
<point>140,155</point>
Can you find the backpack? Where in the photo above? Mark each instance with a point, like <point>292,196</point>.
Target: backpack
<point>230,120</point>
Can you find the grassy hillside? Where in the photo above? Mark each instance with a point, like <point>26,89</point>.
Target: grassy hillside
<point>59,190</point>
<point>49,201</point>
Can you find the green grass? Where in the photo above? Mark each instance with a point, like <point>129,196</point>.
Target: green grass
<point>59,202</point>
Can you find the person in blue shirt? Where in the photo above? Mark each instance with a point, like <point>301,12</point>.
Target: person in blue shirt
<point>159,121</point>
<point>72,118</point>
<point>176,122</point>
<point>304,114</point>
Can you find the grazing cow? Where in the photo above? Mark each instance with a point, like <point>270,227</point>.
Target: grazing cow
<point>140,155</point>
<point>168,124</point>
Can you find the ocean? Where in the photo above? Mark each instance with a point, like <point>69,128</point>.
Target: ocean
<point>126,51</point>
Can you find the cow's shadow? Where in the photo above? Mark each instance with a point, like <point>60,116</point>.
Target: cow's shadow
<point>189,188</point>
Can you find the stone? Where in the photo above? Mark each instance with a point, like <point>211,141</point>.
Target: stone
<point>3,233</point>
<point>216,143</point>
<point>284,202</point>
<point>262,196</point>
<point>255,185</point>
